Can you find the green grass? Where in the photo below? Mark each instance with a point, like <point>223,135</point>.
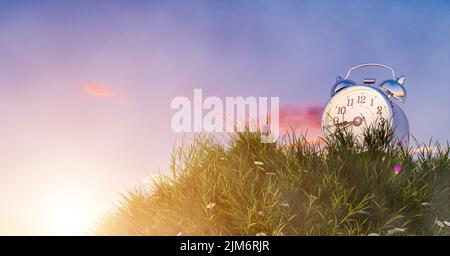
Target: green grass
<point>294,187</point>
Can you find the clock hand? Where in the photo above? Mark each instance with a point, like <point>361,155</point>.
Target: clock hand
<point>344,123</point>
<point>363,118</point>
<point>357,121</point>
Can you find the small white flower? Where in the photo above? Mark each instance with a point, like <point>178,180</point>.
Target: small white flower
<point>210,205</point>
<point>439,223</point>
<point>222,158</point>
<point>285,204</point>
<point>426,203</point>
<point>364,212</point>
<point>447,223</point>
<point>258,163</point>
<point>261,234</point>
<point>261,213</point>
<point>392,231</point>
<point>180,234</point>
<point>373,234</point>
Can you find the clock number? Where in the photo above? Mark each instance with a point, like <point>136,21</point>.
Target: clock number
<point>362,99</point>
<point>379,108</point>
<point>342,110</point>
<point>349,102</point>
<point>371,102</point>
<point>335,120</point>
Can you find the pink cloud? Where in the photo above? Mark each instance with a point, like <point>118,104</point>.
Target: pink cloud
<point>98,90</point>
<point>301,118</point>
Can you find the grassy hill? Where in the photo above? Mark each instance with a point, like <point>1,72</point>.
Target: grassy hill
<point>340,187</point>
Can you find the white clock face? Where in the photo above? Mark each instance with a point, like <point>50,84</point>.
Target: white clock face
<point>355,108</point>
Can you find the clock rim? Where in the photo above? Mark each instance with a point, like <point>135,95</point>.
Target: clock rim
<point>343,90</point>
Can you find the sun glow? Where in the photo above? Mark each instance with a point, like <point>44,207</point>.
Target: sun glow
<point>69,214</point>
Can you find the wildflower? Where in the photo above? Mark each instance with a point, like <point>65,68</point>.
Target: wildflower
<point>261,213</point>
<point>399,143</point>
<point>285,204</point>
<point>364,212</point>
<point>447,223</point>
<point>373,234</point>
<point>261,234</point>
<point>397,169</point>
<point>259,163</point>
<point>210,205</point>
<point>266,128</point>
<point>222,158</point>
<point>425,203</point>
<point>392,231</point>
<point>439,223</point>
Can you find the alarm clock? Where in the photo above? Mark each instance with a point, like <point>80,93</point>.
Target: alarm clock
<point>356,106</point>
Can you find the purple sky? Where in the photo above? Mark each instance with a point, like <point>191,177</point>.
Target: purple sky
<point>86,86</point>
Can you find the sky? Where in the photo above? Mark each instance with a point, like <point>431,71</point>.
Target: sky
<point>86,86</point>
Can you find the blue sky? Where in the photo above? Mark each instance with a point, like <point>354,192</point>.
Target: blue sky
<point>142,54</point>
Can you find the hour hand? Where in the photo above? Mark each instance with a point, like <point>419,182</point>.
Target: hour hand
<point>344,123</point>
